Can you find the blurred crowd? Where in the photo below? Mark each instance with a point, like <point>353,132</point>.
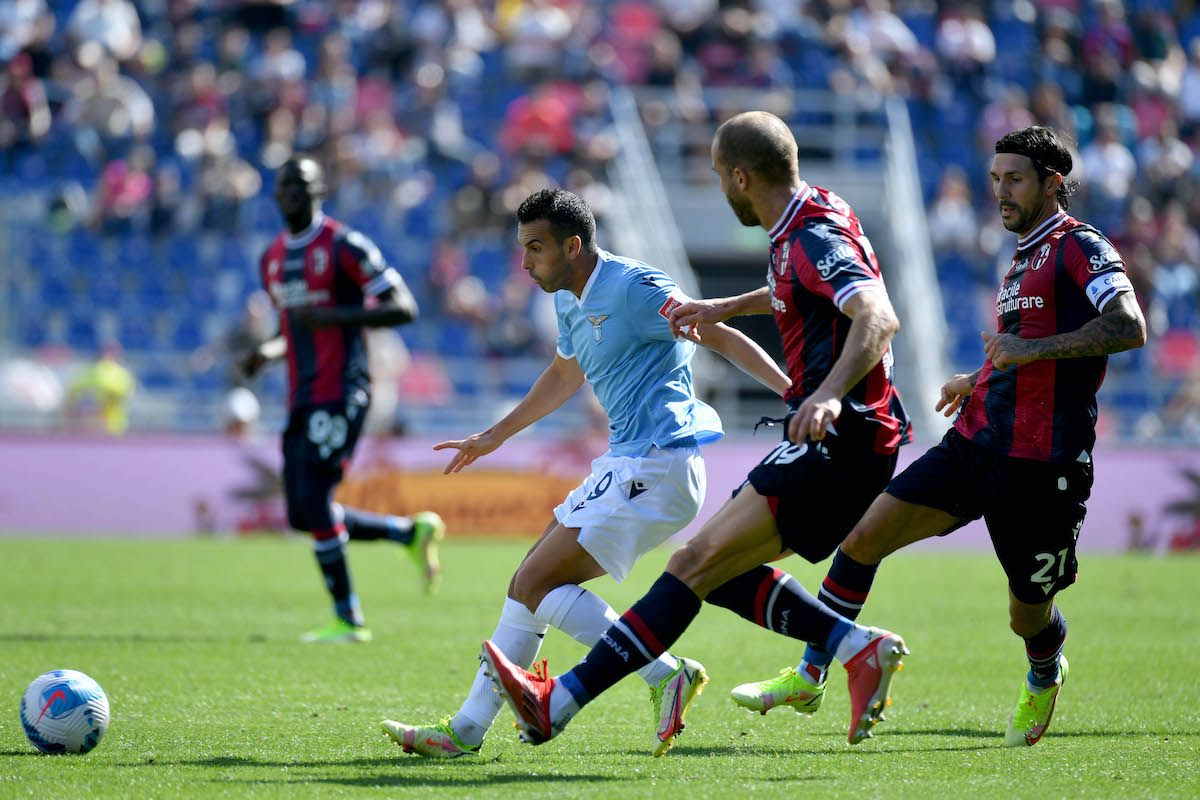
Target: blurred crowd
<point>434,119</point>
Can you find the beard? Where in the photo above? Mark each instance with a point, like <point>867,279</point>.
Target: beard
<point>1020,222</point>
<point>743,211</point>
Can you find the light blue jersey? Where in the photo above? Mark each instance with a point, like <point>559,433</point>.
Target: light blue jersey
<point>642,375</point>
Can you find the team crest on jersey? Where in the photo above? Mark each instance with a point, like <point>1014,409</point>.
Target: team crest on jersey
<point>1039,258</point>
<point>784,252</point>
<point>320,260</point>
<point>273,267</point>
<point>597,321</point>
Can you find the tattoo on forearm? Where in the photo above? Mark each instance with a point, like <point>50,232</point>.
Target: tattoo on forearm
<point>1106,334</point>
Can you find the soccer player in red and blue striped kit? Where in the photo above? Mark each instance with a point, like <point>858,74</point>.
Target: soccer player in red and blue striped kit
<point>1019,453</point>
<point>844,426</point>
<point>329,282</point>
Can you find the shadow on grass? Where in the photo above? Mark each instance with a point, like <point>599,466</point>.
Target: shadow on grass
<point>18,753</point>
<point>402,772</point>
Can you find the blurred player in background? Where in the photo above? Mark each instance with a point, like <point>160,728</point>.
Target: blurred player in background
<point>101,392</point>
<point>1019,454</point>
<point>614,333</point>
<point>844,427</point>
<point>329,282</point>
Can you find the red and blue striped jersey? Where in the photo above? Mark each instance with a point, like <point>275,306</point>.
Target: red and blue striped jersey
<point>1062,275</point>
<point>820,258</point>
<point>327,265</point>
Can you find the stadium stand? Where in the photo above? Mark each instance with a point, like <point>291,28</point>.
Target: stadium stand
<point>139,138</point>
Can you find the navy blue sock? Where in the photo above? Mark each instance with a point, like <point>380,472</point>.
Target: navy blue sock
<point>1044,648</point>
<point>773,599</point>
<point>331,557</point>
<point>844,590</point>
<point>365,526</point>
<point>642,634</point>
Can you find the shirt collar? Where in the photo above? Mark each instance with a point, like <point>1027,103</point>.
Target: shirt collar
<point>306,236</point>
<point>784,222</point>
<point>1049,224</point>
<point>587,287</point>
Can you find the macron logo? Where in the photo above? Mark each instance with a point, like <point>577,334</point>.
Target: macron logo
<point>621,651</point>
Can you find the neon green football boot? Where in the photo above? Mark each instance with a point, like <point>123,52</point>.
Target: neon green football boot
<point>670,700</point>
<point>431,741</point>
<point>338,632</point>
<point>428,531</point>
<point>788,688</point>
<point>1031,718</point>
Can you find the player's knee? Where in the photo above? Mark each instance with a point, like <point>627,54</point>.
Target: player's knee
<point>690,561</point>
<point>860,546</point>
<point>1027,621</point>
<point>528,587</point>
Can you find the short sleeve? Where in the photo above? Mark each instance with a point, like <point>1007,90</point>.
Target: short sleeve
<point>564,346</point>
<point>361,260</point>
<point>1096,267</point>
<point>649,299</point>
<point>831,264</point>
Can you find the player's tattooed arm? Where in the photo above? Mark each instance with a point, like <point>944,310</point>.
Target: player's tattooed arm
<point>1119,327</point>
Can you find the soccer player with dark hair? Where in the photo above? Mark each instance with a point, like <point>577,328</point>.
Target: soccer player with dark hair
<point>614,332</point>
<point>842,432</point>
<point>329,282</point>
<point>1019,453</point>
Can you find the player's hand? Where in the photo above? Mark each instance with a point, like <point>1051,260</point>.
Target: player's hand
<point>468,449</point>
<point>686,318</point>
<point>954,393</point>
<point>1006,350</point>
<point>814,417</point>
<point>252,362</point>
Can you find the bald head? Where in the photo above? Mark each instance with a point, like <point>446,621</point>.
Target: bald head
<point>759,143</point>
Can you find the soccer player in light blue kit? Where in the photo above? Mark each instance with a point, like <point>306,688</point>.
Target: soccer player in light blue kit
<point>614,332</point>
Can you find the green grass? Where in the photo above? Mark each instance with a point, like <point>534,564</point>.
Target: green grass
<point>196,644</point>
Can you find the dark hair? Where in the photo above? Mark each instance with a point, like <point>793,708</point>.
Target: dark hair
<point>1047,151</point>
<point>760,143</point>
<point>567,214</point>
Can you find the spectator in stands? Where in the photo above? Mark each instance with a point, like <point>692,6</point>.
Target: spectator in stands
<point>114,24</point>
<point>1189,90</point>
<point>953,225</point>
<point>24,112</point>
<point>123,194</point>
<point>107,109</point>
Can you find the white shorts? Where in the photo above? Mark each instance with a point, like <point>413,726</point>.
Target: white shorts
<point>628,505</point>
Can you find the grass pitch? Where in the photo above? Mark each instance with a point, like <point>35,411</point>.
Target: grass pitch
<point>212,695</point>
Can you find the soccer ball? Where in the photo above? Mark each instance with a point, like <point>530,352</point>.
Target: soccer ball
<point>64,711</point>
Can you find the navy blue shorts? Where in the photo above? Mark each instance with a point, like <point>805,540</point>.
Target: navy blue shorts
<point>318,444</point>
<point>1033,509</point>
<point>818,491</point>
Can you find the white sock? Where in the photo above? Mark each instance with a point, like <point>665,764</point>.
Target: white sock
<point>519,636</point>
<point>585,617</point>
<point>563,706</point>
<point>852,643</point>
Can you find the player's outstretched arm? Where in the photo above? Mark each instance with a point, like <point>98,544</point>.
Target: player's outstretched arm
<point>872,327</point>
<point>553,387</point>
<point>686,317</point>
<point>1119,327</point>
<point>745,354</point>
<point>394,307</point>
